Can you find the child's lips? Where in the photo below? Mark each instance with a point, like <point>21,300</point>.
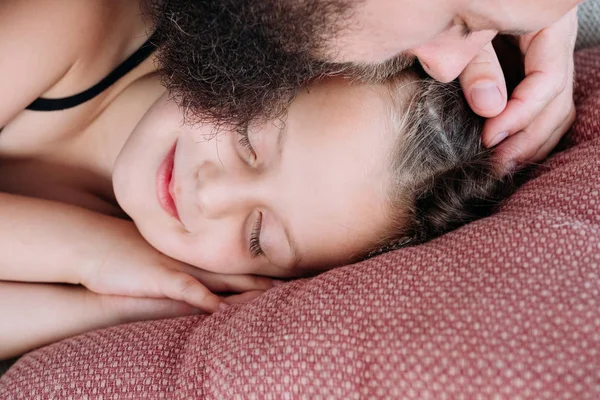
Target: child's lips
<point>165,183</point>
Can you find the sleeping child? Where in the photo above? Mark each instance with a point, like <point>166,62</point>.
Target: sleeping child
<point>117,208</point>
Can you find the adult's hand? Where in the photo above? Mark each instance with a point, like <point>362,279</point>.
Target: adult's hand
<point>541,108</point>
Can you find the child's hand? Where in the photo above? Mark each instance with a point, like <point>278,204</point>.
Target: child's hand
<point>132,267</point>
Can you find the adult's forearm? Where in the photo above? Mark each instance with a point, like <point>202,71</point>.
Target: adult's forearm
<point>46,241</point>
<point>36,314</point>
<point>33,315</point>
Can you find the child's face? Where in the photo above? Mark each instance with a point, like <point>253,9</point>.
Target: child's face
<point>313,190</point>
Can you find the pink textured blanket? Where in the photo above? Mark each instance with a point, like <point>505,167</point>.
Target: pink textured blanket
<point>508,305</point>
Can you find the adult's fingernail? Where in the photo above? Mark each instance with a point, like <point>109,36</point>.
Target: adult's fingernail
<point>486,96</point>
<point>497,139</point>
<point>277,282</point>
<point>223,306</point>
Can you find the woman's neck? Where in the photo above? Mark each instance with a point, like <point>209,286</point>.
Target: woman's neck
<point>104,140</point>
<point>139,89</point>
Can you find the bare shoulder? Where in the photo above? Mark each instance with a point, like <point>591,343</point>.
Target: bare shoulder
<point>41,40</point>
<point>47,21</point>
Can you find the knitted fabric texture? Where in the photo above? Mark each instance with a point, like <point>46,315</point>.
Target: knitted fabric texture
<point>507,306</point>
<point>588,34</point>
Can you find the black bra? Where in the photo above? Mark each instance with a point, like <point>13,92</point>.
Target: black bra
<point>43,104</point>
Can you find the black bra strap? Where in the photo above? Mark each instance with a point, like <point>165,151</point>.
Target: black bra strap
<point>43,104</point>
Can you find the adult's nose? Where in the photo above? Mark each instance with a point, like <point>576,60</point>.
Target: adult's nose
<point>446,56</point>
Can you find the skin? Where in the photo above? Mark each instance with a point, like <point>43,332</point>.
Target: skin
<point>311,176</point>
<point>60,64</point>
<point>57,182</point>
<point>252,73</point>
<point>436,37</point>
<point>541,108</point>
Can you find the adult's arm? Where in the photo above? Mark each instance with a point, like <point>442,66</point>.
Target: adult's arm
<point>46,241</point>
<point>40,41</point>
<point>35,315</point>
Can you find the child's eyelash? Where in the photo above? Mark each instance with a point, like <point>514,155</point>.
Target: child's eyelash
<point>255,249</point>
<point>245,143</point>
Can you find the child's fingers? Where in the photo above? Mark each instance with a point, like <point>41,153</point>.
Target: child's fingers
<point>231,283</point>
<point>180,286</point>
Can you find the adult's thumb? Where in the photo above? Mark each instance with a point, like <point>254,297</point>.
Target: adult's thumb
<point>483,83</point>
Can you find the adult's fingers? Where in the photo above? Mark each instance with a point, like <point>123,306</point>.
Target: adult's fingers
<point>533,145</point>
<point>548,56</point>
<point>539,138</point>
<point>555,138</point>
<point>483,83</point>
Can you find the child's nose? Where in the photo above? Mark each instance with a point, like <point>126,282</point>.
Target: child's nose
<point>220,192</point>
